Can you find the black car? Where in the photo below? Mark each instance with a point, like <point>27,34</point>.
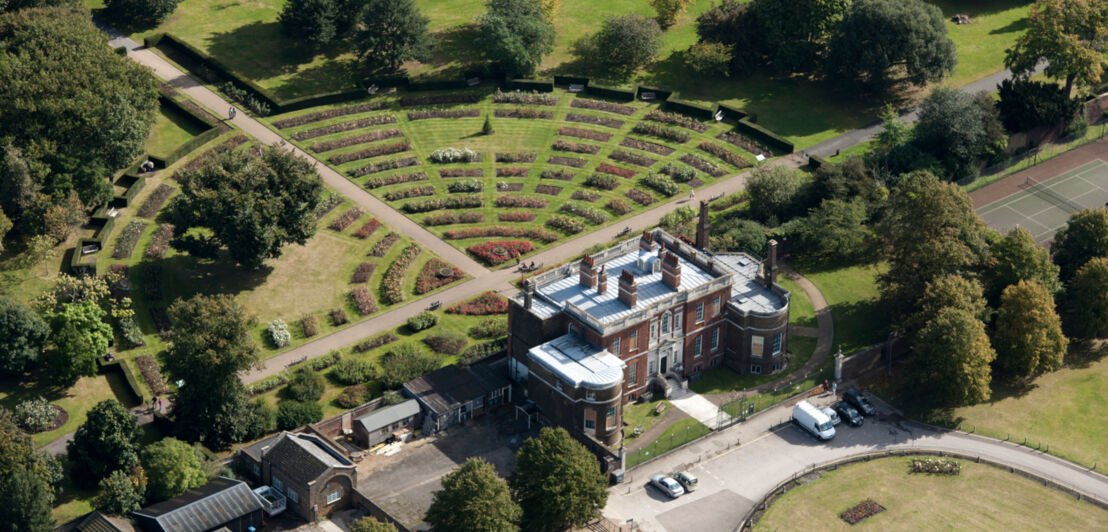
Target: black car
<point>849,414</point>
<point>859,401</point>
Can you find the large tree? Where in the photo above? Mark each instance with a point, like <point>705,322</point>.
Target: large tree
<point>952,357</point>
<point>474,498</point>
<point>1016,257</point>
<point>734,24</point>
<point>773,191</point>
<point>878,37</point>
<point>1084,237</point>
<point>930,229</point>
<point>251,205</point>
<point>798,29</point>
<point>120,492</point>
<point>310,20</point>
<point>108,440</point>
<point>1087,300</point>
<point>27,480</point>
<point>78,336</point>
<point>172,467</point>
<point>77,110</point>
<point>1028,337</point>
<point>516,34</point>
<point>959,129</point>
<point>22,337</point>
<point>1025,104</point>
<point>1071,34</point>
<point>948,291</point>
<point>140,13</point>
<point>390,32</point>
<point>836,231</point>
<point>624,44</point>
<point>211,344</point>
<point>557,482</point>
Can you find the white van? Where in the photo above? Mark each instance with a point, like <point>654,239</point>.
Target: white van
<point>813,420</point>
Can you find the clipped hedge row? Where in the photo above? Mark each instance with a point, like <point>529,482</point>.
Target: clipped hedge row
<point>627,95</point>
<point>765,136</point>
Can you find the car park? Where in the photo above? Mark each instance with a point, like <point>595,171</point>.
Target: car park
<point>849,414</point>
<point>687,480</point>
<point>831,414</point>
<point>859,401</point>
<point>667,485</point>
<point>813,420</point>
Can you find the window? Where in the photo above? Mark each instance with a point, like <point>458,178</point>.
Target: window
<point>665,324</point>
<point>653,332</point>
<point>715,339</point>
<point>697,347</point>
<point>590,395</point>
<point>293,496</point>
<point>633,373</point>
<point>699,312</point>
<point>715,306</point>
<point>558,385</point>
<point>777,343</point>
<point>715,362</point>
<point>755,369</point>
<point>257,470</point>
<point>590,424</point>
<point>757,344</point>
<point>650,368</point>
<point>334,496</point>
<point>278,485</point>
<point>615,346</point>
<point>611,412</point>
<point>634,341</point>
<point>677,322</point>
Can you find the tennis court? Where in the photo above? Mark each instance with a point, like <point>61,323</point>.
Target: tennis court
<point>1044,207</point>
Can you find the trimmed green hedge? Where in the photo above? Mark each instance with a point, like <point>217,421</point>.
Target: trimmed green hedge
<point>765,136</point>
<point>191,53</point>
<point>659,94</point>
<point>815,162</point>
<point>446,84</point>
<point>731,113</point>
<point>134,186</point>
<point>541,85</point>
<point>118,366</point>
<point>685,107</point>
<point>627,95</point>
<point>571,80</point>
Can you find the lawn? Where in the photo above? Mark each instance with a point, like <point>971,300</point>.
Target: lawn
<point>171,129</point>
<point>801,311</point>
<point>76,401</point>
<point>642,414</point>
<point>981,45</point>
<point>1000,501</point>
<point>678,434</point>
<point>852,295</point>
<point>725,380</point>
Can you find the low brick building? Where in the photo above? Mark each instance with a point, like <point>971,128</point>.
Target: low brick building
<point>316,478</point>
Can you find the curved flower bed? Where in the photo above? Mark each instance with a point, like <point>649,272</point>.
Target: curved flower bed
<point>595,120</point>
<point>585,134</point>
<point>375,182</point>
<point>431,277</point>
<point>368,229</point>
<point>449,218</point>
<point>159,245</point>
<point>372,136</point>
<point>379,120</point>
<point>516,200</point>
<point>330,113</point>
<point>498,252</point>
<point>533,233</point>
<point>732,158</point>
<point>413,192</point>
<point>483,305</point>
<point>450,202</point>
<point>392,285</point>
<point>345,219</point>
<point>363,300</point>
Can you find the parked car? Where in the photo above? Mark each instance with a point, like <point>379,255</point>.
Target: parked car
<point>859,401</point>
<point>667,485</point>
<point>687,480</point>
<point>849,413</point>
<point>813,420</point>
<point>831,414</point>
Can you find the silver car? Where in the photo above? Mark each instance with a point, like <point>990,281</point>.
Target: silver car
<point>667,485</point>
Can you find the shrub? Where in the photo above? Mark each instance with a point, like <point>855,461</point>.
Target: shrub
<point>615,170</point>
<point>746,143</point>
<point>476,352</point>
<point>483,305</point>
<point>267,384</point>
<point>392,285</point>
<point>449,218</point>
<point>362,272</point>
<point>504,186</point>
<point>127,239</point>
<point>454,155</point>
<point>677,119</point>
<point>353,371</point>
<point>533,233</point>
<point>936,466</point>
<point>618,206</point>
<point>431,277</point>
<point>321,363</point>
<point>664,133</point>
<point>575,147</point>
<point>363,300</point>
<point>585,196</point>
<point>372,136</point>
<point>329,113</point>
<point>516,200</point>
<point>352,396</point>
<point>374,343</point>
<point>861,511</point>
<point>279,333</point>
<point>527,98</point>
<point>661,184</point>
<point>377,182</point>
<point>345,219</point>
<point>603,182</point>
<point>585,103</point>
<point>591,214</point>
<point>523,157</point>
<point>245,98</point>
<point>681,174</point>
<point>450,202</point>
<point>523,112</point>
<point>382,247</point>
<point>446,343</point>
<point>439,99</point>
<point>152,374</point>
<point>461,172</point>
<point>727,155</point>
<point>646,146</point>
<point>404,363</point>
<point>131,332</point>
<point>338,317</point>
<point>468,185</point>
<point>294,414</point>
<point>489,328</point>
<point>567,161</point>
<point>498,252</point>
<point>375,151</point>
<point>565,224</point>
<point>310,326</point>
<point>640,197</point>
<point>305,385</point>
<point>444,113</point>
<point>709,59</point>
<point>378,120</point>
<point>549,190</point>
<point>413,192</point>
<point>702,165</point>
<point>586,119</point>
<point>423,320</point>
<point>368,229</point>
<point>159,245</point>
<point>35,415</point>
<point>327,205</point>
<point>513,171</point>
<point>561,174</point>
<point>516,216</point>
<point>382,166</point>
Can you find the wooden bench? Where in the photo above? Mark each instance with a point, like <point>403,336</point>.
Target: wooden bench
<point>576,87</point>
<point>647,96</point>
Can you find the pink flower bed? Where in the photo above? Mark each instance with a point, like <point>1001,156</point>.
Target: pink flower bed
<point>516,216</point>
<point>614,170</point>
<point>345,219</point>
<point>498,252</point>
<point>516,200</point>
<point>534,233</point>
<point>431,277</point>
<point>363,300</point>
<point>368,229</point>
<point>482,305</point>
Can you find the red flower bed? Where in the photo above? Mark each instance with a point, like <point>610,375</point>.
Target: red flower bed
<point>619,206</point>
<point>368,229</point>
<point>431,277</point>
<point>861,511</point>
<point>338,317</point>
<point>345,219</point>
<point>159,245</point>
<point>640,197</point>
<point>513,171</point>
<point>498,252</point>
<point>534,233</point>
<point>518,216</point>
<point>482,305</point>
<point>444,113</point>
<point>585,103</point>
<point>646,146</point>
<point>362,272</point>
<point>375,182</point>
<point>677,120</point>
<point>614,170</point>
<point>585,134</point>
<point>375,151</point>
<point>363,300</point>
<point>462,172</point>
<point>127,239</point>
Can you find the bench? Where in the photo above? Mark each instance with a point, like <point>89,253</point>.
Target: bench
<point>576,87</point>
<point>647,96</point>
<point>659,409</point>
<point>473,81</point>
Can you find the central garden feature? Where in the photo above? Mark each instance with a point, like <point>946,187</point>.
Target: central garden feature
<point>557,164</point>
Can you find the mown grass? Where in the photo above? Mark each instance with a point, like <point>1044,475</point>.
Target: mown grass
<point>725,380</point>
<point>171,130</point>
<point>642,414</point>
<point>1000,501</point>
<point>801,310</point>
<point>678,434</point>
<point>76,400</point>
<point>853,298</point>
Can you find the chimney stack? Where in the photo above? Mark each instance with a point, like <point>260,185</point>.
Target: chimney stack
<point>528,293</point>
<point>646,243</point>
<point>671,270</point>
<point>588,273</point>
<point>628,289</point>
<point>770,266</point>
<point>602,281</point>
<point>702,226</point>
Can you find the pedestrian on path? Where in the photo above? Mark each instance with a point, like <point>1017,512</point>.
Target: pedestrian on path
<point>231,113</point>
<point>692,194</point>
<point>159,404</point>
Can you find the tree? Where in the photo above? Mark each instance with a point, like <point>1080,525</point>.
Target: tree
<point>948,291</point>
<point>849,180</point>
<point>796,31</point>
<point>211,344</point>
<point>22,337</point>
<point>1026,105</point>
<point>1070,34</point>
<point>557,482</point>
<point>735,25</point>
<point>958,129</point>
<point>474,498</point>
<point>71,133</point>
<point>108,440</point>
<point>251,205</point>
<point>172,467</point>
<point>486,128</point>
<point>15,5</point>
<point>121,493</point>
<point>1084,237</point>
<point>624,43</point>
<point>369,524</point>
<point>894,131</point>
<point>140,13</point>
<point>305,385</point>
<point>516,34</point>
<point>1016,257</point>
<point>27,480</point>
<point>79,336</point>
<point>311,20</point>
<point>929,229</point>
<point>404,363</point>
<point>1028,337</point>
<point>737,234</point>
<point>667,11</point>
<point>39,249</point>
<point>391,32</point>
<point>5,227</point>
<point>952,357</point>
<point>835,231</point>
<point>60,220</point>
<point>773,191</point>
<point>294,414</point>
<point>877,35</point>
<point>711,59</point>
<point>1087,299</point>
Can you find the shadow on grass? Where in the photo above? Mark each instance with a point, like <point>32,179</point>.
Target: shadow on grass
<point>979,8</point>
<point>1014,26</point>
<point>1083,353</point>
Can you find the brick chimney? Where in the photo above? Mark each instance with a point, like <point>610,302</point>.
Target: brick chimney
<point>671,270</point>
<point>588,273</point>
<point>528,293</point>
<point>602,281</point>
<point>628,289</point>
<point>769,273</point>
<point>646,243</point>
<point>702,227</point>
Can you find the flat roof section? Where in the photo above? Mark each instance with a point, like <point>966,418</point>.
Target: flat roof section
<point>749,294</point>
<point>579,362</point>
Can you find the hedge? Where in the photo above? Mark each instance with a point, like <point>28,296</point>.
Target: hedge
<point>626,95</point>
<point>764,136</point>
<point>815,162</point>
<point>168,40</point>
<point>134,185</point>
<point>731,113</point>
<point>695,110</point>
<point>211,132</point>
<point>540,85</point>
<point>571,80</point>
<point>659,94</point>
<point>438,85</point>
<point>128,376</point>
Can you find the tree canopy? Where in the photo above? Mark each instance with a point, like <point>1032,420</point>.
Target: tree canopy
<point>959,129</point>
<point>1084,237</point>
<point>172,467</point>
<point>121,493</point>
<point>1071,34</point>
<point>251,205</point>
<point>949,291</point>
<point>1016,257</point>
<point>314,21</point>
<point>795,32</point>
<point>474,498</point>
<point>78,336</point>
<point>27,480</point>
<point>140,13</point>
<point>624,44</point>
<point>1025,104</point>
<point>1028,337</point>
<point>557,482</point>
<point>390,32</point>
<point>952,359</point>
<point>108,440</point>
<point>516,34</point>
<point>836,231</point>
<point>22,337</point>
<point>773,191</point>
<point>1087,299</point>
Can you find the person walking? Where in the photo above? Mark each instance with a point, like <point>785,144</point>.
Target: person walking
<point>692,194</point>
<point>231,113</point>
<point>159,404</point>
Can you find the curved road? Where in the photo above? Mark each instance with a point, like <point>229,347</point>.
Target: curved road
<point>735,478</point>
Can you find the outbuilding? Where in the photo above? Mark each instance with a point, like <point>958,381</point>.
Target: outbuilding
<point>380,425</point>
